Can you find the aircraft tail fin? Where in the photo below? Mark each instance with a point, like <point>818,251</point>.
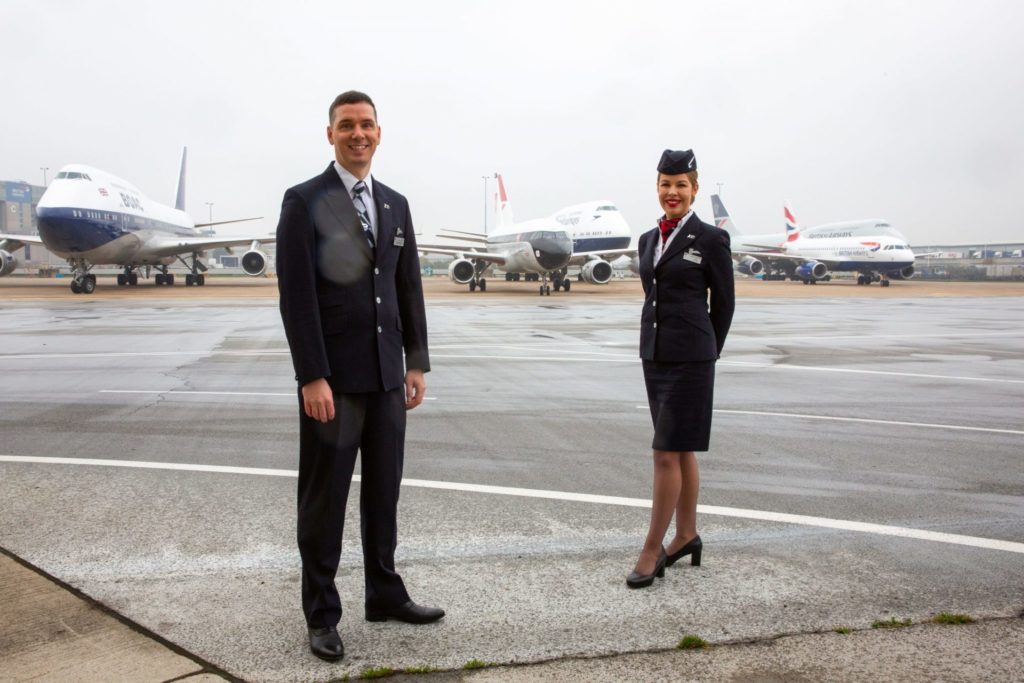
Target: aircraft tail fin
<point>722,218</point>
<point>179,195</point>
<point>502,207</point>
<point>792,227</point>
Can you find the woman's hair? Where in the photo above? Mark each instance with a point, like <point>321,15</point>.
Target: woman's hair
<point>692,175</point>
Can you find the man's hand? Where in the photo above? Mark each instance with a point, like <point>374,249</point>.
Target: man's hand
<point>318,400</point>
<point>415,388</point>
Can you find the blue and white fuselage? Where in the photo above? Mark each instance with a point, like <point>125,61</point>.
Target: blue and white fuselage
<point>91,217</point>
<point>89,214</point>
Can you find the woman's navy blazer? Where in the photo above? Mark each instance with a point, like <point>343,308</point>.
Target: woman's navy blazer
<point>681,321</point>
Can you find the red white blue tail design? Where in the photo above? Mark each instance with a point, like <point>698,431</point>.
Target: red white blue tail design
<point>792,227</point>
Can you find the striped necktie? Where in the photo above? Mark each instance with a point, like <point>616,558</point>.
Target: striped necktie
<point>364,215</point>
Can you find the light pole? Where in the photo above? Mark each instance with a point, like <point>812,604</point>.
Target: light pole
<point>44,169</point>
<point>210,206</point>
<point>719,189</point>
<point>486,178</point>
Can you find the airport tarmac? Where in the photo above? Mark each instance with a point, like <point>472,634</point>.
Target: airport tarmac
<point>865,465</point>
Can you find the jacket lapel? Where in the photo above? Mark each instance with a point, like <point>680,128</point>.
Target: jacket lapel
<point>688,234</point>
<point>344,210</point>
<point>385,217</point>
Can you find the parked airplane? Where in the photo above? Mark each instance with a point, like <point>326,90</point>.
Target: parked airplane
<point>586,235</point>
<point>871,247</point>
<point>91,217</point>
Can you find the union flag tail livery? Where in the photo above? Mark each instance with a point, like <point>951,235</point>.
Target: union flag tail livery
<point>792,227</point>
<point>502,207</point>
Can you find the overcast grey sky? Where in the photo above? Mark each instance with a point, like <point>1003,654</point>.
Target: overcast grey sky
<point>910,111</point>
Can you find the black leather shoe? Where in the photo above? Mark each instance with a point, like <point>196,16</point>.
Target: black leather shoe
<point>638,580</point>
<point>410,613</point>
<point>326,644</point>
<point>693,549</point>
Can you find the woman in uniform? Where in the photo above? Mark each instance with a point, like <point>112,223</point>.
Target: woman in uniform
<point>686,271</point>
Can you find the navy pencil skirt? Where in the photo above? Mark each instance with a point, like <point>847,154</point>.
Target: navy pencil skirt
<point>680,396</point>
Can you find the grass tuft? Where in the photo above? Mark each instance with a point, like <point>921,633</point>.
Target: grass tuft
<point>842,629</point>
<point>476,664</point>
<point>378,672</point>
<point>948,618</point>
<point>892,623</point>
<point>422,670</point>
<point>691,642</point>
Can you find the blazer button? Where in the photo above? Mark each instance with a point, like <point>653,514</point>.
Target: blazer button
<point>378,299</point>
<point>654,280</point>
<point>654,303</point>
<point>376,271</point>
<point>655,325</point>
<point>379,329</point>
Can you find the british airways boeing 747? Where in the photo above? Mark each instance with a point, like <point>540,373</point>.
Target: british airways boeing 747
<point>91,217</point>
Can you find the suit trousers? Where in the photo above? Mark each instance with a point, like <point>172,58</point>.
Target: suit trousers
<point>372,424</point>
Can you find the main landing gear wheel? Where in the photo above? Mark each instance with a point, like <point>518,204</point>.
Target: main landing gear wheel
<point>197,280</point>
<point>566,285</point>
<point>884,283</point>
<point>83,284</point>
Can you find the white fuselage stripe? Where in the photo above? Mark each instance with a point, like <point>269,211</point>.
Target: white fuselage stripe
<point>760,515</point>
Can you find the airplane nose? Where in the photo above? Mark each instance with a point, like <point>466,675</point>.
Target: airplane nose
<point>553,252</point>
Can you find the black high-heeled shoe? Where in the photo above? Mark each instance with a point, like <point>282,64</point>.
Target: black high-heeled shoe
<point>638,580</point>
<point>693,549</point>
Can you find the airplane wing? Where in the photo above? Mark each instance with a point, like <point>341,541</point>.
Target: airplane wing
<point>468,253</point>
<point>782,256</point>
<point>580,257</point>
<point>173,247</point>
<point>14,242</point>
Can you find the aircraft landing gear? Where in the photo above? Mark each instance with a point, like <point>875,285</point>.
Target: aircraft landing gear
<point>163,278</point>
<point>195,277</point>
<point>82,282</point>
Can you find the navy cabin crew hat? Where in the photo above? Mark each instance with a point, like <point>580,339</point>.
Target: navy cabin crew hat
<point>677,162</point>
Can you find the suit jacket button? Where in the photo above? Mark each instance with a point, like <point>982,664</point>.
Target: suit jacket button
<point>376,271</point>
<point>379,329</point>
<point>654,303</point>
<point>654,280</point>
<point>378,299</point>
<point>655,325</point>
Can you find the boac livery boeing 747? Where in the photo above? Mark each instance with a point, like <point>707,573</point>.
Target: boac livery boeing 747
<point>91,217</point>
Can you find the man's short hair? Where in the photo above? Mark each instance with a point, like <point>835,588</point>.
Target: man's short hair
<point>350,97</point>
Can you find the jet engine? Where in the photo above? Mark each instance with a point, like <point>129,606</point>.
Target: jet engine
<point>254,262</point>
<point>8,263</point>
<point>596,271</point>
<point>811,270</point>
<point>901,274</point>
<point>461,271</point>
<point>750,266</point>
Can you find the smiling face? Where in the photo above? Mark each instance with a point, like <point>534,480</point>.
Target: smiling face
<point>355,135</point>
<point>676,193</point>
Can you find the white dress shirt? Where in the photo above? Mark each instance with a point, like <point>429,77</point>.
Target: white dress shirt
<point>350,181</point>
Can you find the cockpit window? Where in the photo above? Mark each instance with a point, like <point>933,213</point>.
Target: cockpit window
<point>73,175</point>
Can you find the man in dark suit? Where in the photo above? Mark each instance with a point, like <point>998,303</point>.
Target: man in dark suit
<point>352,307</point>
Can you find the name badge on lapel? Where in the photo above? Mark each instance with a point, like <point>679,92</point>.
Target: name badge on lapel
<point>692,255</point>
<point>399,237</point>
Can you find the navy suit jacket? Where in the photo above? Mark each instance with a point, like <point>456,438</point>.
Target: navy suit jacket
<point>680,322</point>
<point>350,312</point>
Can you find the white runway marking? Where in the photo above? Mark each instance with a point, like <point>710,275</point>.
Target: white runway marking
<point>287,394</point>
<point>857,371</point>
<point>866,420</point>
<point>761,515</point>
<point>608,358</point>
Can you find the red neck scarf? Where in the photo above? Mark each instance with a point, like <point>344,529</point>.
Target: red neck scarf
<point>667,225</point>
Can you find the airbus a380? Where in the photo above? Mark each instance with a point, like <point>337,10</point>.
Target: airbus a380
<point>870,247</point>
<point>91,217</point>
<point>541,250</point>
